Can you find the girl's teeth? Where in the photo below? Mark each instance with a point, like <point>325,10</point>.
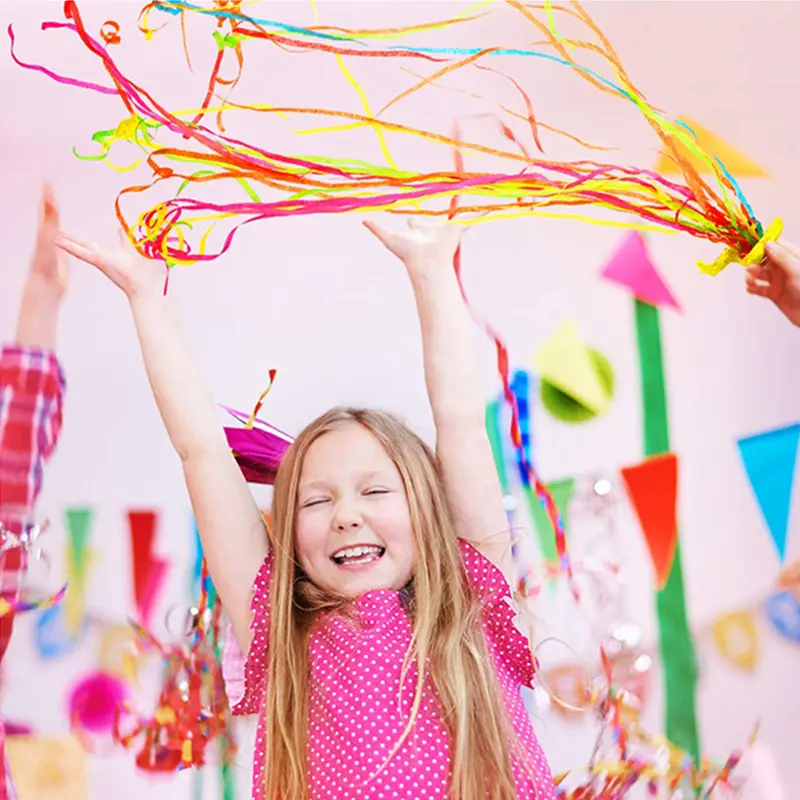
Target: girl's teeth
<point>364,560</point>
<point>358,555</point>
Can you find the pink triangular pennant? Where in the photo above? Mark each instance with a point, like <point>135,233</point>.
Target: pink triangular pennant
<point>631,267</point>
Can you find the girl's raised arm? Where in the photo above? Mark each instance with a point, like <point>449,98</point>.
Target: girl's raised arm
<point>451,376</point>
<point>228,519</point>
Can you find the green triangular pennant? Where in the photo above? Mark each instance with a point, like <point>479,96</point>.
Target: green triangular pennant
<point>78,528</point>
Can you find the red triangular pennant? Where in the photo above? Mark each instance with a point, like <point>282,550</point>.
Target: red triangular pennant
<point>142,526</point>
<point>653,491</point>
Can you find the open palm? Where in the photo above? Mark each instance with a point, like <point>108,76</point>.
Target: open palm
<point>422,243</point>
<point>121,263</point>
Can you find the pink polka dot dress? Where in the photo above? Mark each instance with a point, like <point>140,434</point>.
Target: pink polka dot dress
<point>357,712</point>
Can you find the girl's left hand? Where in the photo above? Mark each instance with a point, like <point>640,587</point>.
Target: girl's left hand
<point>423,244</point>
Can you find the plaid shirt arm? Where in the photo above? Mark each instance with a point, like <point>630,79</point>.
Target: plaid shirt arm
<point>31,399</point>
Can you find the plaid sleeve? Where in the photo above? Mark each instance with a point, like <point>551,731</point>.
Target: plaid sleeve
<point>31,398</point>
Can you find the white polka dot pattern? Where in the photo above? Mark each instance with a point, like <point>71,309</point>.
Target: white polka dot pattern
<point>357,711</point>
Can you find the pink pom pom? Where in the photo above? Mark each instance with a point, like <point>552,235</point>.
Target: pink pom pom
<point>94,701</point>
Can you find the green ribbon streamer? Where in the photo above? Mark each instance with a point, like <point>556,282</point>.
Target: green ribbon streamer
<point>227,777</point>
<point>561,492</point>
<point>675,639</point>
<point>197,785</point>
<point>496,441</point>
<point>229,40</point>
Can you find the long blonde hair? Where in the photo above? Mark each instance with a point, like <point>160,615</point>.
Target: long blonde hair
<point>446,626</point>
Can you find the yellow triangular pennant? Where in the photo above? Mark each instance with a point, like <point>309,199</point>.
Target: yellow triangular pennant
<point>738,164</point>
<point>75,598</point>
<point>564,361</point>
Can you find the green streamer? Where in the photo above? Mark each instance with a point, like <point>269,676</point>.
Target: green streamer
<point>227,777</point>
<point>496,441</point>
<point>197,785</point>
<point>561,492</point>
<point>675,639</point>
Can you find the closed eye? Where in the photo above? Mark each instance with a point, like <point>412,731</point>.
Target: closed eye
<point>316,501</point>
<point>376,491</point>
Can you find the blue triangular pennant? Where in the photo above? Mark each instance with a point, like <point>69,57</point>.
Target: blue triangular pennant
<point>769,459</point>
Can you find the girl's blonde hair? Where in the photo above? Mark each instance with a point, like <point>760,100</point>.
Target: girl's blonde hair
<point>446,626</point>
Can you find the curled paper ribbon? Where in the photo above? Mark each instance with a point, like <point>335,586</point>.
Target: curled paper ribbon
<point>754,256</point>
<point>626,756</point>
<point>109,32</point>
<point>715,210</point>
<point>192,707</point>
<point>535,577</point>
<point>27,540</point>
<point>21,606</point>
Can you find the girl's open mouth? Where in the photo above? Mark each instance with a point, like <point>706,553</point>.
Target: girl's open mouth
<point>358,556</point>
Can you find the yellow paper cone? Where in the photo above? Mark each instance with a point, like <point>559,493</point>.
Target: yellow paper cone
<point>566,363</point>
<point>738,164</point>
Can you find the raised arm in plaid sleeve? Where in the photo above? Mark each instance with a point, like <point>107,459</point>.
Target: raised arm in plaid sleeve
<point>31,397</point>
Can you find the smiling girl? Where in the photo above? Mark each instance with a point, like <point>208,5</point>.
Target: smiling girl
<point>381,651</point>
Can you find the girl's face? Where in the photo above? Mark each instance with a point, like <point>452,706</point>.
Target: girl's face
<point>352,527</point>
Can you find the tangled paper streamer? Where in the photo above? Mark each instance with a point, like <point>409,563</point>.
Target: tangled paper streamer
<point>307,185</point>
<point>627,760</point>
<point>716,211</point>
<point>626,756</point>
<point>27,540</point>
<point>192,708</point>
<point>21,606</point>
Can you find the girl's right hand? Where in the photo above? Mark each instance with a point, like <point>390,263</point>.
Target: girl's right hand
<point>136,275</point>
<point>779,279</point>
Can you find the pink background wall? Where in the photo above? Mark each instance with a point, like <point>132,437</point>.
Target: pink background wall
<point>317,299</point>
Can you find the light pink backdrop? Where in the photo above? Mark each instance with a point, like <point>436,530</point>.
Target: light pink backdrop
<point>317,299</point>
